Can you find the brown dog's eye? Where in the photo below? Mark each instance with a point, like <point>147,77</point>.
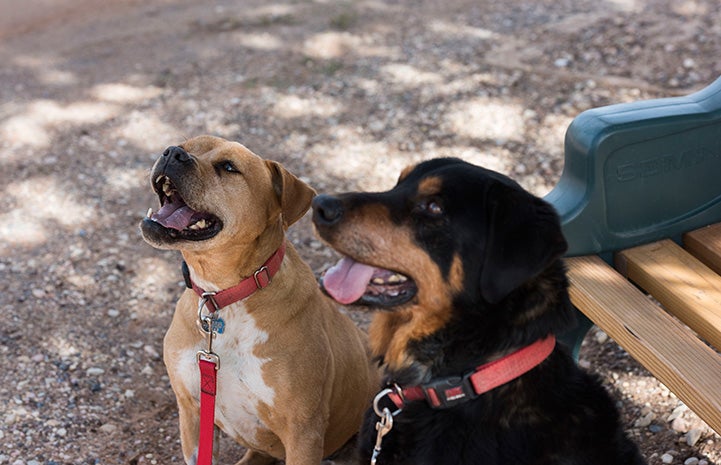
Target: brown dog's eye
<point>228,166</point>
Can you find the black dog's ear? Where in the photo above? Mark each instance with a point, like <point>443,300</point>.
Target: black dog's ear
<point>524,237</point>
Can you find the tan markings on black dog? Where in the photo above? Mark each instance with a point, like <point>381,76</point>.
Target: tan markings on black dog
<point>430,186</point>
<point>369,234</point>
<point>405,173</point>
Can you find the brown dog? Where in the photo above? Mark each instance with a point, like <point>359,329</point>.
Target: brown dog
<point>294,377</point>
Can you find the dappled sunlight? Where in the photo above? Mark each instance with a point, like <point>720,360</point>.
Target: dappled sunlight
<point>43,69</point>
<point>146,131</point>
<point>37,206</point>
<point>262,41</point>
<point>627,5</point>
<point>33,126</point>
<point>353,157</point>
<point>293,106</point>
<point>120,181</point>
<point>153,277</point>
<point>409,76</point>
<point>123,93</point>
<point>484,118</point>
<point>551,133</point>
<point>329,45</point>
<point>335,45</point>
<point>455,29</point>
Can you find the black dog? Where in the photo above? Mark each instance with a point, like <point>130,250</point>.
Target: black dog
<point>466,266</point>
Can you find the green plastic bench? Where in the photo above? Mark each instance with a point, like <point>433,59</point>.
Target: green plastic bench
<point>641,182</point>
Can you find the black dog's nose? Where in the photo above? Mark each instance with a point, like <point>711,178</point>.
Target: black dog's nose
<point>327,210</point>
<point>176,154</point>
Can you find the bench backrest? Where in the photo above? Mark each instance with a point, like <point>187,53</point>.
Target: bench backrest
<point>640,172</point>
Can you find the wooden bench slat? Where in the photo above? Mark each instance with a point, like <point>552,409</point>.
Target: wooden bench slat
<point>686,287</point>
<point>669,350</point>
<point>705,244</point>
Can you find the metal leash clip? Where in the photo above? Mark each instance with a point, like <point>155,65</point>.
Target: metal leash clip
<point>383,427</point>
<point>386,419</point>
<point>207,326</point>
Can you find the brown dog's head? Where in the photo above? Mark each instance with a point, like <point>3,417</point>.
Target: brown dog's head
<point>213,192</point>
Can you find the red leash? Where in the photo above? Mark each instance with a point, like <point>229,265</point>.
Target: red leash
<point>208,361</point>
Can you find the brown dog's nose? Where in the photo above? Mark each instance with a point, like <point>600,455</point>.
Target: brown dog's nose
<point>327,210</point>
<point>176,154</point>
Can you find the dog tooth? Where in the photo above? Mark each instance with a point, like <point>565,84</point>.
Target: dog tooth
<point>395,279</point>
<point>378,281</point>
<point>150,213</point>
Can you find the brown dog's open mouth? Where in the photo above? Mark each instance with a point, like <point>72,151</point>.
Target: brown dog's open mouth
<point>177,218</point>
<point>351,282</point>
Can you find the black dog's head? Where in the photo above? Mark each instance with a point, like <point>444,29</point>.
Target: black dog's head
<point>449,234</point>
<point>481,233</point>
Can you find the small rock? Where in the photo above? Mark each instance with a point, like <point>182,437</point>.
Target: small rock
<point>38,293</point>
<point>655,428</point>
<point>667,458</point>
<point>645,420</point>
<point>108,428</point>
<point>150,350</point>
<point>679,425</point>
<point>677,412</point>
<point>601,337</point>
<point>62,432</point>
<point>94,371</point>
<point>693,436</point>
<point>112,313</point>
<point>33,462</point>
<point>691,461</point>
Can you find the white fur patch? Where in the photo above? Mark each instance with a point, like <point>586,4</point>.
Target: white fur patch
<point>240,385</point>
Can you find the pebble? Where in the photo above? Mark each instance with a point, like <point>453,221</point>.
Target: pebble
<point>94,371</point>
<point>693,436</point>
<point>667,458</point>
<point>645,420</point>
<point>679,425</point>
<point>691,461</point>
<point>108,428</point>
<point>112,313</point>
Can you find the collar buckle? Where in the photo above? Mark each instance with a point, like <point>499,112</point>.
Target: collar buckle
<point>261,282</point>
<point>449,391</point>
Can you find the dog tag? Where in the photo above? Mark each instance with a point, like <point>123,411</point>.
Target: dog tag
<point>218,325</point>
<point>383,427</point>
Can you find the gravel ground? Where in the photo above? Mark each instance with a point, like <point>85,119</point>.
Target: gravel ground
<point>345,94</point>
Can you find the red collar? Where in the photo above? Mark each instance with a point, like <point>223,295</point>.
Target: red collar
<point>258,280</point>
<point>446,392</point>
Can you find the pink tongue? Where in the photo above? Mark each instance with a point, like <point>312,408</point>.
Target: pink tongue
<point>347,281</point>
<point>174,215</point>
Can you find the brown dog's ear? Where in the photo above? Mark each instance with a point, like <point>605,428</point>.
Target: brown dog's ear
<point>524,238</point>
<point>293,194</point>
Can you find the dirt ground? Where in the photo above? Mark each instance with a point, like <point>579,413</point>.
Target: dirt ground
<point>345,94</point>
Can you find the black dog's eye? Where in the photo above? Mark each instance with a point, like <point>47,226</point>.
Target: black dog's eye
<point>431,207</point>
<point>227,166</point>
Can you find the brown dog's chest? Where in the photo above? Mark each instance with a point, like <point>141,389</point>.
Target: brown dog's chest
<point>241,388</point>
